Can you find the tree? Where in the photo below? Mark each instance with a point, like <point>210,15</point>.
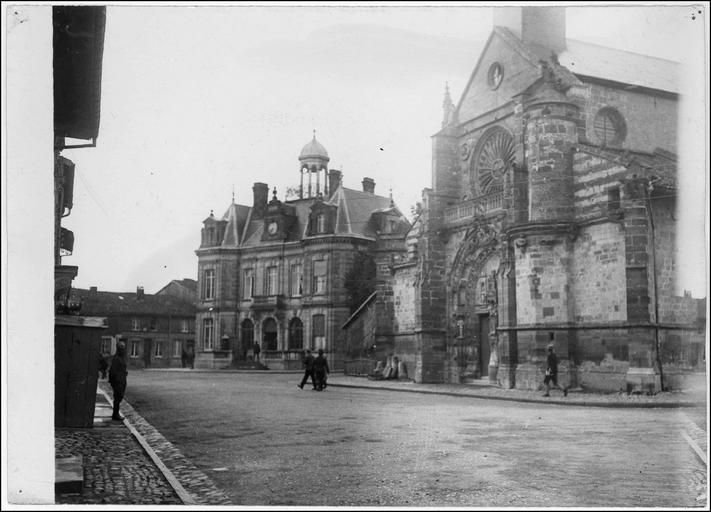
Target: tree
<point>359,281</point>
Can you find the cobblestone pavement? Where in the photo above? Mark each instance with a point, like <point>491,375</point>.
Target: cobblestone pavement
<point>117,470</point>
<point>201,490</point>
<point>262,441</point>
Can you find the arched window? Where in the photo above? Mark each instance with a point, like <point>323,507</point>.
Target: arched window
<point>269,334</point>
<point>246,336</point>
<point>609,127</point>
<point>296,334</point>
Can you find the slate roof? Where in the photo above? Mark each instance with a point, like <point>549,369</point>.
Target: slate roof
<point>354,210</point>
<point>592,60</point>
<point>586,59</point>
<point>120,303</point>
<point>190,284</point>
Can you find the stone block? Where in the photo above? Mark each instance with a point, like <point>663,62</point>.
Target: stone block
<point>69,474</point>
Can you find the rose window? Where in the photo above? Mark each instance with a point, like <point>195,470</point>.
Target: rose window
<point>494,157</point>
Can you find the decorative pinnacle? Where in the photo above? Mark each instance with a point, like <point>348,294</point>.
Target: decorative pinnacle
<point>233,193</point>
<point>447,98</point>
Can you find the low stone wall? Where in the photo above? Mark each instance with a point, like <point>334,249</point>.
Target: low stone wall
<point>686,380</point>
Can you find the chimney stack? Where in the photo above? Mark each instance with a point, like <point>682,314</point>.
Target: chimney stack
<point>261,196</point>
<point>368,185</point>
<point>334,181</point>
<point>93,290</point>
<point>541,29</point>
<point>139,292</point>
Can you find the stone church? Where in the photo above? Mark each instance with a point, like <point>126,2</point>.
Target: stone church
<point>550,220</point>
<point>273,273</point>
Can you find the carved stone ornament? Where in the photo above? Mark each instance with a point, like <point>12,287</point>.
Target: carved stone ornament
<point>495,155</point>
<point>465,149</point>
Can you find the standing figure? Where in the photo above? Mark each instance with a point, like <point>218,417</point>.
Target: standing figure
<point>320,371</point>
<point>184,359</point>
<point>308,361</point>
<point>552,372</point>
<point>117,377</point>
<point>256,351</point>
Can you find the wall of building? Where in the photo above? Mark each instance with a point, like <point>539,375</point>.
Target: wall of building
<point>599,292</point>
<point>518,74</point>
<point>651,119</point>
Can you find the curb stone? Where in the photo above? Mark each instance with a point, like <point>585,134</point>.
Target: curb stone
<point>193,486</point>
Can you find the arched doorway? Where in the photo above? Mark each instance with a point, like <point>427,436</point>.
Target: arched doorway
<point>296,334</point>
<point>269,334</point>
<point>246,336</point>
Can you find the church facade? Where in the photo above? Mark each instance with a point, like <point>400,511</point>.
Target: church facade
<point>550,220</point>
<point>273,274</point>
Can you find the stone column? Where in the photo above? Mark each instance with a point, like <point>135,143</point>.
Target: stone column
<point>643,373</point>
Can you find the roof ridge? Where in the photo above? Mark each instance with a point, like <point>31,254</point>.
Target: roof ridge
<point>646,56</point>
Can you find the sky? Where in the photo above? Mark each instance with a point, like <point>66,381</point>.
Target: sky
<point>200,101</point>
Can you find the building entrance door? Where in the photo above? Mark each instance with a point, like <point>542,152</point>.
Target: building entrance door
<point>484,352</point>
<point>269,334</point>
<point>147,347</point>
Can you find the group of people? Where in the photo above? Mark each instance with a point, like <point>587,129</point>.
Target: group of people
<point>315,368</point>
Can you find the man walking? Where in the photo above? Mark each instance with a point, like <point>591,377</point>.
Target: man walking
<point>308,361</point>
<point>552,372</point>
<point>320,371</point>
<point>117,377</point>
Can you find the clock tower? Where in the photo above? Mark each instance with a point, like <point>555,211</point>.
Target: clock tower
<point>278,219</point>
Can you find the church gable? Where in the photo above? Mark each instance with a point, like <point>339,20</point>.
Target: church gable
<point>504,69</point>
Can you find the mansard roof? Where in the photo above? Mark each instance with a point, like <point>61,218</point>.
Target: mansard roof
<point>354,209</point>
<point>236,217</point>
<point>96,303</point>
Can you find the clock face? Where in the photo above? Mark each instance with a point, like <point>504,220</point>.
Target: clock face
<point>272,228</point>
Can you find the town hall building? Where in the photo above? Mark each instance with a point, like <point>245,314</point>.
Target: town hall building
<point>551,219</point>
<point>273,274</point>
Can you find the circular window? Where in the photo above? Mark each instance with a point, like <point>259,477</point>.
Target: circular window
<point>496,75</point>
<point>494,156</point>
<point>609,127</point>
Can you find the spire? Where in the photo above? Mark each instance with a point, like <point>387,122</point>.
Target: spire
<point>447,107</point>
<point>233,193</point>
<point>392,203</point>
<point>447,98</point>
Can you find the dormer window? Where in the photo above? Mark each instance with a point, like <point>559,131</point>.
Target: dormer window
<point>321,223</point>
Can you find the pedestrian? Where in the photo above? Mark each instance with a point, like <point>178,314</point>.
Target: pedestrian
<point>552,372</point>
<point>308,361</point>
<point>320,371</point>
<point>117,377</point>
<point>256,351</point>
<point>184,359</point>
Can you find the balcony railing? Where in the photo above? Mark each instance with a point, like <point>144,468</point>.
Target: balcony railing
<point>267,302</point>
<point>474,207</point>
